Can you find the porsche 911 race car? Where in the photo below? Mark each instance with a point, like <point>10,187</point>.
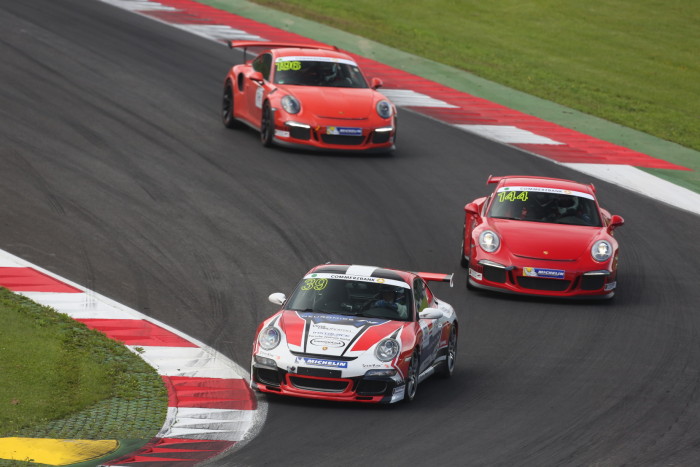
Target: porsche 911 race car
<point>355,333</point>
<point>540,236</point>
<point>311,97</point>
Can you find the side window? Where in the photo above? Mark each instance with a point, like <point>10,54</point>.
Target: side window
<point>263,64</point>
<point>420,295</point>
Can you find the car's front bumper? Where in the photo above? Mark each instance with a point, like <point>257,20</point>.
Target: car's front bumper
<point>304,136</point>
<point>573,281</point>
<point>326,384</point>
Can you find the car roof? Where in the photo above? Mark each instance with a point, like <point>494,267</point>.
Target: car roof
<point>545,182</point>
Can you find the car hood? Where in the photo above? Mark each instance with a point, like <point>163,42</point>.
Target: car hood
<point>332,334</point>
<point>545,241</point>
<point>342,103</point>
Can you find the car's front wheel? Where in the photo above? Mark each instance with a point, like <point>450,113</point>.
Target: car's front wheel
<point>267,126</point>
<point>412,378</point>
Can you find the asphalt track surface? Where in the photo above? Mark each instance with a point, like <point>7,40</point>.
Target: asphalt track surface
<point>117,174</point>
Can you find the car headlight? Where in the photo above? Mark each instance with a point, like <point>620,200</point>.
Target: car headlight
<point>489,241</point>
<point>291,105</point>
<point>601,251</point>
<point>384,109</point>
<point>387,349</point>
<point>269,338</point>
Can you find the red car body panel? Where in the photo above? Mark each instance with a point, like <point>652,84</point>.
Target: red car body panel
<point>540,257</point>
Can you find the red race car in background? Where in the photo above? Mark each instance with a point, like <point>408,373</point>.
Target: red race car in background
<point>312,97</point>
<point>540,236</point>
<point>357,334</point>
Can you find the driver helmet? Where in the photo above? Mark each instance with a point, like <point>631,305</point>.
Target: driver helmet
<point>567,204</point>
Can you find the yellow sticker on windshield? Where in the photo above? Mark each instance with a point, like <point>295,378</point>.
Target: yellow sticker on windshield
<point>512,196</point>
<point>314,284</point>
<point>290,65</point>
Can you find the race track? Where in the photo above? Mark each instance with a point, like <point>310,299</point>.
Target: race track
<point>118,175</point>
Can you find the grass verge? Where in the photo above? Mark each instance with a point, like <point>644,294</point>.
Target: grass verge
<point>64,380</point>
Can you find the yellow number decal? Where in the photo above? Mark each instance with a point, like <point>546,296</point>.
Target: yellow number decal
<point>511,196</point>
<point>315,284</point>
<point>284,66</point>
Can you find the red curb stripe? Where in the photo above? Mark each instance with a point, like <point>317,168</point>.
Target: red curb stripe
<point>137,332</point>
<point>31,280</point>
<point>187,451</point>
<point>210,393</point>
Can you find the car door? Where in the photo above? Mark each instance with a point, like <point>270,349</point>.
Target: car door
<point>430,328</point>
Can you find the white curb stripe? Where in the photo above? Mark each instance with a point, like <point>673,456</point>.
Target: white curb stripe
<point>183,361</point>
<point>409,98</point>
<point>507,134</point>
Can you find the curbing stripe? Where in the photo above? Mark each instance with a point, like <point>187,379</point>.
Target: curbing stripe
<point>210,401</point>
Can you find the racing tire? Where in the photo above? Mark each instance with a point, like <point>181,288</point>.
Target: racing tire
<point>412,378</point>
<point>267,126</point>
<point>447,369</point>
<point>227,108</point>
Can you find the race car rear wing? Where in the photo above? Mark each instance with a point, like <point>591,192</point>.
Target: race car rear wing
<point>436,277</point>
<point>275,45</point>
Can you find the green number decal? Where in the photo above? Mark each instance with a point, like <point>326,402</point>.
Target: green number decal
<point>291,65</point>
<point>315,284</point>
<point>512,196</point>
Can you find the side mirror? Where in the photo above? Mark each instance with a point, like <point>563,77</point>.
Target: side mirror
<point>615,222</point>
<point>376,83</point>
<point>430,313</point>
<point>277,298</point>
<point>472,209</point>
<point>257,77</point>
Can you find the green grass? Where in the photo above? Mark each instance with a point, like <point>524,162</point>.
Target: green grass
<point>633,62</point>
<point>64,380</point>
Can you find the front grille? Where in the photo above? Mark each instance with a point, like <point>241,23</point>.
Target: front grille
<point>266,376</point>
<point>319,372</point>
<point>323,385</point>
<point>300,133</point>
<point>538,283</point>
<point>592,282</point>
<point>494,274</point>
<point>370,387</point>
<point>344,140</point>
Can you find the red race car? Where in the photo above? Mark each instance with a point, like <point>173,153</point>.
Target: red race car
<point>540,236</point>
<point>301,96</point>
<point>356,334</point>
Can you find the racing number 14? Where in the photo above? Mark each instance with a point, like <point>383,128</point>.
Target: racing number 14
<point>512,196</point>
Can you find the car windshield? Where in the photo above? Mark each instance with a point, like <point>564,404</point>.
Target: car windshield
<point>318,71</point>
<point>371,298</point>
<point>545,205</point>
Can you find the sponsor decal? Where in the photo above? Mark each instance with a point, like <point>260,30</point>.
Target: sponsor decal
<point>314,59</point>
<point>325,342</point>
<point>539,189</point>
<point>476,275</point>
<point>282,133</point>
<point>542,272</point>
<point>336,130</point>
<point>350,277</point>
<point>259,94</point>
<point>324,363</point>
<point>610,286</point>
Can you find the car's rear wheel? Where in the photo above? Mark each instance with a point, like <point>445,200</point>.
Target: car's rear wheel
<point>412,378</point>
<point>227,107</point>
<point>447,369</point>
<point>267,126</point>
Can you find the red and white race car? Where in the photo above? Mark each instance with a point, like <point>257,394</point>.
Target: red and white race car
<point>540,236</point>
<point>312,97</point>
<point>355,333</point>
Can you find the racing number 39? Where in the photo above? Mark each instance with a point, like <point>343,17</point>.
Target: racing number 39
<point>315,284</point>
